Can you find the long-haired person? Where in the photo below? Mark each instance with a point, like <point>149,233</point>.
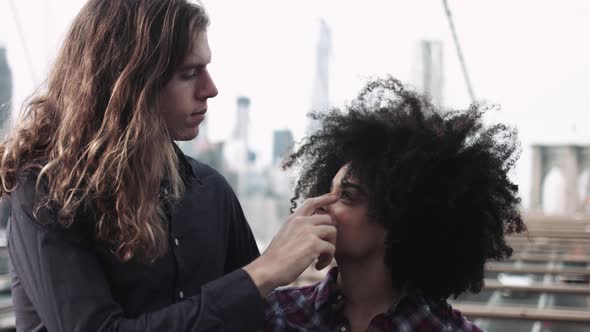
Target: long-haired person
<point>112,228</point>
<point>424,201</point>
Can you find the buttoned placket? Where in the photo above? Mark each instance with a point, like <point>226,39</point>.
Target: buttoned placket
<point>174,241</point>
<point>338,308</point>
<point>175,244</point>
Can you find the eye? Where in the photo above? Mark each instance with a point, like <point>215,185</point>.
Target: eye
<point>345,195</point>
<point>191,73</point>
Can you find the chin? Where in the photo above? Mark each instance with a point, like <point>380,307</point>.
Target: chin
<point>186,136</point>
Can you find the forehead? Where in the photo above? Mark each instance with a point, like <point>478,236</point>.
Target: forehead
<point>200,52</point>
<point>342,175</point>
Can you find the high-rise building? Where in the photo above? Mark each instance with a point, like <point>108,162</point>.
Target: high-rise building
<point>242,119</point>
<point>202,144</point>
<point>5,91</point>
<point>320,96</point>
<point>198,146</point>
<point>236,151</point>
<point>237,147</point>
<point>282,145</point>
<point>5,110</point>
<point>428,74</point>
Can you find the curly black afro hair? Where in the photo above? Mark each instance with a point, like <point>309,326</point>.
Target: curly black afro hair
<point>436,179</point>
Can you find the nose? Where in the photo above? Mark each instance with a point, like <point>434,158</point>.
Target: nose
<point>323,210</point>
<point>207,89</point>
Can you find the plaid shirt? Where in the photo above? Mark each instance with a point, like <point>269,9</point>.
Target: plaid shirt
<point>320,307</point>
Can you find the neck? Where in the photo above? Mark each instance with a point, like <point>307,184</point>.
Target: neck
<point>366,284</point>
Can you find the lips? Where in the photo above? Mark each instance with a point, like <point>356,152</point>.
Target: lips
<point>196,118</point>
<point>199,112</point>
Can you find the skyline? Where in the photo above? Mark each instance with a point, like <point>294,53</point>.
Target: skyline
<point>526,56</point>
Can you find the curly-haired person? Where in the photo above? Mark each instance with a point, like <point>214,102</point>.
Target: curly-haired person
<point>424,201</point>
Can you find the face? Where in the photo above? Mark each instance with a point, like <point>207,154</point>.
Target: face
<point>358,236</point>
<point>184,98</point>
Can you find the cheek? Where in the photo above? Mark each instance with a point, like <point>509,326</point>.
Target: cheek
<point>352,225</point>
<point>175,100</point>
<point>349,217</point>
<point>356,234</point>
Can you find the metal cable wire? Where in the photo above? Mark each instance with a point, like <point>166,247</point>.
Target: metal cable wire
<point>459,52</point>
<point>23,42</point>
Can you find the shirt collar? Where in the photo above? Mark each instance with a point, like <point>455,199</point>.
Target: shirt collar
<point>185,167</point>
<point>407,296</point>
<point>328,291</point>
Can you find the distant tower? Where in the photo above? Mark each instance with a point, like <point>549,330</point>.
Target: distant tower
<point>5,91</point>
<point>236,153</point>
<point>202,142</point>
<point>428,69</point>
<point>243,119</point>
<point>200,145</point>
<point>5,109</point>
<point>282,144</point>
<point>320,96</point>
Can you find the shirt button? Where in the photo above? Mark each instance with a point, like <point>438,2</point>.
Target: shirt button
<point>176,241</point>
<point>181,294</point>
<point>343,328</point>
<point>339,297</point>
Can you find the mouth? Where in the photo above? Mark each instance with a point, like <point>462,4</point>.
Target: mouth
<point>196,118</point>
<point>202,112</point>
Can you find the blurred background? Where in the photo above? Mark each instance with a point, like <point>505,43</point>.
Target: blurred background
<point>275,61</point>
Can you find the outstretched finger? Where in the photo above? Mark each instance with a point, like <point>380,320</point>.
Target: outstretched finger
<point>311,204</point>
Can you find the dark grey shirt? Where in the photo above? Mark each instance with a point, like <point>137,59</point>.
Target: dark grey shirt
<point>64,280</point>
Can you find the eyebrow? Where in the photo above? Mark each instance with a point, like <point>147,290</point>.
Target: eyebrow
<point>349,185</point>
<point>191,66</point>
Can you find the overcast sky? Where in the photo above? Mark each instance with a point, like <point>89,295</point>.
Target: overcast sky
<point>530,56</point>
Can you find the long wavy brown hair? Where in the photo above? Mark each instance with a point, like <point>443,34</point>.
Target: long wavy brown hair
<point>95,133</point>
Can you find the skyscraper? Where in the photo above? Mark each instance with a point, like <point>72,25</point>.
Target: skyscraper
<point>5,109</point>
<point>5,91</point>
<point>236,150</point>
<point>320,96</point>
<point>428,69</point>
<point>282,144</point>
<point>242,119</point>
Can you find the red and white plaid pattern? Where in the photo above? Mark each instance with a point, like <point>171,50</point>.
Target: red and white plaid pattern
<point>320,307</point>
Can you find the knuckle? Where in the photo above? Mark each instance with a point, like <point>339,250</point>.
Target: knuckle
<point>306,203</point>
<point>297,220</point>
<point>308,246</point>
<point>311,201</point>
<point>311,237</point>
<point>314,247</point>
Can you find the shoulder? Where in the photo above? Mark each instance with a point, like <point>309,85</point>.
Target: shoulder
<point>460,322</point>
<point>453,318</point>
<point>28,191</point>
<point>205,173</point>
<point>31,215</point>
<point>200,169</point>
<point>286,301</point>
